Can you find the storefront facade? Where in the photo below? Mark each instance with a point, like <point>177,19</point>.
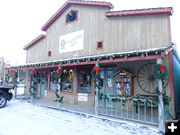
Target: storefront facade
<point>123,43</point>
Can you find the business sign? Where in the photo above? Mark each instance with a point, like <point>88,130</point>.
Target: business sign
<point>71,42</point>
<point>83,97</point>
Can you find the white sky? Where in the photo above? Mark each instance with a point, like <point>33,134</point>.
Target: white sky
<point>21,21</point>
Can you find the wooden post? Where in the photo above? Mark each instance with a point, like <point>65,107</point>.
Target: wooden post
<point>15,92</point>
<point>32,88</point>
<point>160,105</point>
<point>32,91</point>
<point>15,86</point>
<point>97,93</point>
<point>59,90</point>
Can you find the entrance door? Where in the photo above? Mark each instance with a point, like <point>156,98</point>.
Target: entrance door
<point>107,85</point>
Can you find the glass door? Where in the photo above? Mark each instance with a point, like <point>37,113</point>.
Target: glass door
<point>107,85</point>
<point>42,83</point>
<point>102,85</point>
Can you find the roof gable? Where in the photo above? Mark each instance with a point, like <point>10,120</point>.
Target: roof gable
<point>33,42</point>
<point>123,72</point>
<point>73,2</point>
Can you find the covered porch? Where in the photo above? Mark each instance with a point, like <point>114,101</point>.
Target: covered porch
<point>123,93</point>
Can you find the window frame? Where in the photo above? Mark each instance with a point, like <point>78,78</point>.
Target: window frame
<point>99,48</point>
<point>78,85</point>
<point>71,83</point>
<point>49,53</point>
<point>73,20</point>
<point>50,87</point>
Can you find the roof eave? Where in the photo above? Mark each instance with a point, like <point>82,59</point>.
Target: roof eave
<point>155,11</point>
<point>33,42</point>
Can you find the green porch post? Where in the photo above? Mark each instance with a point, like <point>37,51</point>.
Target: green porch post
<point>97,93</point>
<point>160,105</point>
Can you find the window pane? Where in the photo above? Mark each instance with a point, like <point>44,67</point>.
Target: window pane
<point>71,16</point>
<point>67,80</point>
<point>53,83</point>
<point>110,78</point>
<point>21,76</point>
<point>84,81</point>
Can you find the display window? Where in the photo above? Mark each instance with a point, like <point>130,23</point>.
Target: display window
<point>21,76</point>
<point>54,85</point>
<point>123,83</point>
<point>84,81</point>
<point>67,82</point>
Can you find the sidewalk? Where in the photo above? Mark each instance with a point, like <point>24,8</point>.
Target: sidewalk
<point>87,111</point>
<point>65,107</point>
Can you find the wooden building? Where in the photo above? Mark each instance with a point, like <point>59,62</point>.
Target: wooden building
<point>82,33</point>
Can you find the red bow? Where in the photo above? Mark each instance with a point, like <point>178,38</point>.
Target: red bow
<point>44,74</point>
<point>161,68</point>
<point>96,69</point>
<point>57,71</point>
<point>32,72</point>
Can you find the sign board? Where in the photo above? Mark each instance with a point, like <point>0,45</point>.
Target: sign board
<point>122,73</point>
<point>83,97</point>
<point>71,42</point>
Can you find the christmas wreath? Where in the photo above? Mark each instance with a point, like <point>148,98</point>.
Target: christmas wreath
<point>15,75</point>
<point>159,71</point>
<point>95,72</point>
<point>56,75</point>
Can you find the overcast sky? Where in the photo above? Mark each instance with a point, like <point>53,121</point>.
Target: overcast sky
<point>21,21</point>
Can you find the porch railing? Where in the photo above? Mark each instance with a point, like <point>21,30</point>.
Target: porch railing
<point>134,109</point>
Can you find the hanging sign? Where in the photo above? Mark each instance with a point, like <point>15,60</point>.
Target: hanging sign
<point>71,42</point>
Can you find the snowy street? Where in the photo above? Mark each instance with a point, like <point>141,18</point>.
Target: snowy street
<point>21,118</point>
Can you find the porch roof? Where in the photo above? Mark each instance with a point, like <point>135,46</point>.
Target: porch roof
<point>136,55</point>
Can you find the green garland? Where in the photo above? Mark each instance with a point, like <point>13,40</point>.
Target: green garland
<point>57,96</point>
<point>57,75</point>
<point>7,77</point>
<point>166,99</point>
<point>137,99</point>
<point>34,78</point>
<point>157,72</point>
<point>15,79</point>
<point>95,73</point>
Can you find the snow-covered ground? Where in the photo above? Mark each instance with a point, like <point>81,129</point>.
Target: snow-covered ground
<point>21,118</point>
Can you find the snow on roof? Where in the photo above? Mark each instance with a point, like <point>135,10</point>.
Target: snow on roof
<point>136,12</point>
<point>150,51</point>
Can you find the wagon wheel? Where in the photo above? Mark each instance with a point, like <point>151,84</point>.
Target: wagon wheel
<point>146,80</point>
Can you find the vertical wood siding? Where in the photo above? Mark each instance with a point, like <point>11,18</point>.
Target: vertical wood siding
<point>118,34</point>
